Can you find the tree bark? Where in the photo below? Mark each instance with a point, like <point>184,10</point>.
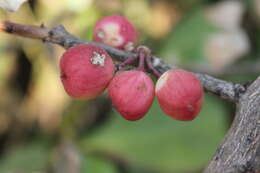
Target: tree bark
<point>240,151</point>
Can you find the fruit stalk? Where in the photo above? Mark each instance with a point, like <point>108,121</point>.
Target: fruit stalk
<point>141,61</point>
<point>150,66</point>
<point>129,61</point>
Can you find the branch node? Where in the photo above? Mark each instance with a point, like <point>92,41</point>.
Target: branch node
<point>239,90</point>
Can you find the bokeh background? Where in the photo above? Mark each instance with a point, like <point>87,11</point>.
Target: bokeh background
<point>43,130</point>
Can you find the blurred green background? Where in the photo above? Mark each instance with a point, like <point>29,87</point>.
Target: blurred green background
<point>43,130</point>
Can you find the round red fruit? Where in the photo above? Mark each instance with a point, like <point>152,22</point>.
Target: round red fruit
<point>179,94</point>
<point>132,94</point>
<point>115,31</point>
<point>86,71</point>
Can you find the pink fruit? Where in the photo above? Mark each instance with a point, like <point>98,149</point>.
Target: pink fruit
<point>115,31</point>
<point>180,94</point>
<point>132,94</point>
<point>86,71</point>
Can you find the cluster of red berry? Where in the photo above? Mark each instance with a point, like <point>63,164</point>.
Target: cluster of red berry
<point>87,70</point>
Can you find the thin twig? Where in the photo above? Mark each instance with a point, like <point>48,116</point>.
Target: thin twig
<point>24,30</point>
<point>126,62</point>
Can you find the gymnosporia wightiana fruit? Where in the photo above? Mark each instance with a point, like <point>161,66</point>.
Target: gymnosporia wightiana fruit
<point>115,31</point>
<point>132,93</point>
<point>86,71</point>
<point>179,94</point>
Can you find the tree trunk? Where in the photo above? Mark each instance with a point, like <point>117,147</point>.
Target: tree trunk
<point>240,150</point>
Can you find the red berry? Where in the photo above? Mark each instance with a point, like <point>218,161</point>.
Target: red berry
<point>132,94</point>
<point>86,71</point>
<point>180,94</point>
<point>115,31</point>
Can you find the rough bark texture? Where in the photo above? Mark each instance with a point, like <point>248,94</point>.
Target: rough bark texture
<point>240,151</point>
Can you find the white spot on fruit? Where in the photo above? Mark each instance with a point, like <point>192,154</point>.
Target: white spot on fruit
<point>98,59</point>
<point>161,81</point>
<point>112,28</point>
<point>101,34</point>
<point>112,34</point>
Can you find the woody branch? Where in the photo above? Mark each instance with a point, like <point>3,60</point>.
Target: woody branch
<point>58,35</point>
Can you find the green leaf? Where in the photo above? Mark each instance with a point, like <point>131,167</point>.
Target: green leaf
<point>186,42</point>
<point>97,165</point>
<point>162,143</point>
<point>25,158</point>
